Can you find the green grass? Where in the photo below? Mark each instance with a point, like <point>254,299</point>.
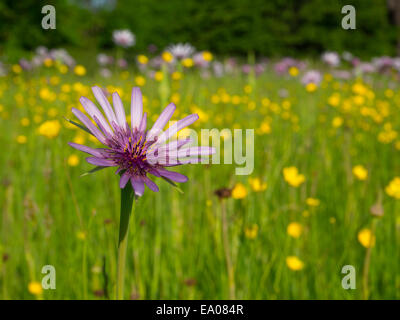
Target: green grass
<point>176,248</point>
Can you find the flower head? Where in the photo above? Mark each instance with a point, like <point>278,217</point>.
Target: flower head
<point>181,50</point>
<point>366,238</point>
<point>294,263</point>
<point>393,189</point>
<point>124,38</point>
<point>360,172</point>
<point>135,151</point>
<point>239,191</point>
<point>293,177</point>
<point>331,58</point>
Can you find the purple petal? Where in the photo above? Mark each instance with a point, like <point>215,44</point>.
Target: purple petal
<point>92,110</point>
<point>92,128</point>
<point>136,107</point>
<point>124,180</point>
<point>174,176</point>
<point>162,120</point>
<point>101,98</point>
<point>100,162</point>
<point>86,149</point>
<point>119,110</point>
<point>150,184</point>
<point>178,126</point>
<point>143,123</point>
<point>138,186</point>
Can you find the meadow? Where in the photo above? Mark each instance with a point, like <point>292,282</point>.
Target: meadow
<point>323,193</point>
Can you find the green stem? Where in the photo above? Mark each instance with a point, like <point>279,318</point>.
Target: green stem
<point>127,197</point>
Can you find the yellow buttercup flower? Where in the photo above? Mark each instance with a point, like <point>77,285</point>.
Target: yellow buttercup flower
<point>142,59</point>
<point>167,56</point>
<point>294,263</point>
<point>158,75</point>
<point>140,81</point>
<point>63,69</point>
<point>337,122</point>
<point>188,62</point>
<point>251,232</point>
<point>294,229</point>
<point>312,202</point>
<point>73,160</point>
<point>239,191</point>
<point>334,100</point>
<point>207,55</point>
<point>80,70</point>
<point>393,189</point>
<point>50,129</point>
<point>21,139</point>
<point>360,172</point>
<point>366,238</point>
<point>16,68</point>
<point>257,185</point>
<point>48,62</point>
<point>293,71</point>
<point>292,176</point>
<point>35,288</point>
<point>311,87</point>
<point>176,75</point>
<point>25,122</point>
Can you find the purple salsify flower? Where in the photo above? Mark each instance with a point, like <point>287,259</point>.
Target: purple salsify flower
<point>124,38</point>
<point>135,151</point>
<point>331,58</point>
<point>311,76</point>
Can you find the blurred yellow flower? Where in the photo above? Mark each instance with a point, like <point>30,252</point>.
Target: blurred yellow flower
<point>239,191</point>
<point>25,122</point>
<point>312,202</point>
<point>21,139</point>
<point>292,176</point>
<point>257,185</point>
<point>311,87</point>
<point>337,122</point>
<point>294,229</point>
<point>294,263</point>
<point>63,69</point>
<point>142,59</point>
<point>16,68</point>
<point>247,89</point>
<point>48,62</point>
<point>293,71</point>
<point>188,62</point>
<point>334,100</point>
<point>393,189</point>
<point>158,76</point>
<point>167,56</point>
<point>176,75</point>
<point>140,81</point>
<point>73,160</point>
<point>251,232</point>
<point>50,128</point>
<point>366,238</point>
<point>360,172</point>
<point>35,288</point>
<point>207,55</point>
<point>80,70</point>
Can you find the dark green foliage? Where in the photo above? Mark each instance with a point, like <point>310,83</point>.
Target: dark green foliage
<point>271,28</point>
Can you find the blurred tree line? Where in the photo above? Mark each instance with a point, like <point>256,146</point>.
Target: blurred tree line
<point>270,28</point>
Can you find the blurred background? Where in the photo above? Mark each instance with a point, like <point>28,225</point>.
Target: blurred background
<point>270,28</point>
